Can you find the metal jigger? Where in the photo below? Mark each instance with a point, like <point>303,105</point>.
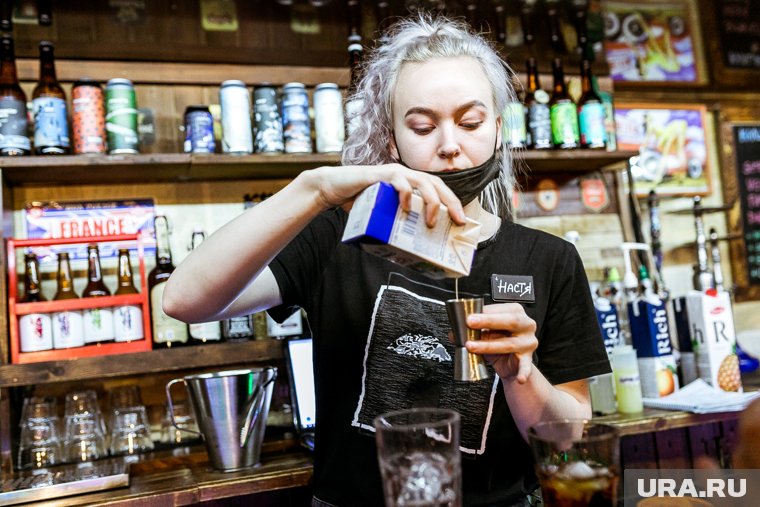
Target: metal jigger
<point>467,366</point>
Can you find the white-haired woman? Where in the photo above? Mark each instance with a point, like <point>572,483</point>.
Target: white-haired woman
<point>432,93</point>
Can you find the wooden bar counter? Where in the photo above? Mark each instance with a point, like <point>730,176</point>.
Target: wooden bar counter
<point>166,480</point>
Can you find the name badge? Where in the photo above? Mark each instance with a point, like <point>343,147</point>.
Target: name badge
<point>513,288</point>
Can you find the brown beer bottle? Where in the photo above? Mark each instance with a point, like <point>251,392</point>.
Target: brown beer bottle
<point>32,291</point>
<point>126,279</point>
<point>564,116</point>
<point>13,117</point>
<point>98,322</point>
<point>51,130</point>
<point>537,111</point>
<point>128,319</point>
<point>65,289</point>
<point>167,332</point>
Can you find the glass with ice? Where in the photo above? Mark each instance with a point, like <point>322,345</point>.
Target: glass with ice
<point>418,452</point>
<point>576,462</point>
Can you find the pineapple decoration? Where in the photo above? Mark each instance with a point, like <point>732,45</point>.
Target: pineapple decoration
<point>729,376</point>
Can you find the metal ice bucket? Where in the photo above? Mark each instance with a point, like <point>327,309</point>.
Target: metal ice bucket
<point>231,409</point>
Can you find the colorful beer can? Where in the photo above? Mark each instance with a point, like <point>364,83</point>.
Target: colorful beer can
<point>121,117</point>
<point>295,118</point>
<point>88,117</point>
<point>329,122</point>
<point>14,139</point>
<point>237,136</point>
<point>199,130</point>
<point>267,121</point>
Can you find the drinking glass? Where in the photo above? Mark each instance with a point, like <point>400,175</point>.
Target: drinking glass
<point>85,403</point>
<point>577,462</point>
<point>39,445</point>
<point>130,433</point>
<point>418,453</point>
<point>124,397</point>
<point>83,439</point>
<point>38,407</point>
<point>186,429</point>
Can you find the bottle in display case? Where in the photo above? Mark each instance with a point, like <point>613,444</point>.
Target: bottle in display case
<point>167,331</point>
<point>68,329</point>
<point>51,130</point>
<point>128,319</point>
<point>98,322</point>
<point>35,329</point>
<point>13,116</point>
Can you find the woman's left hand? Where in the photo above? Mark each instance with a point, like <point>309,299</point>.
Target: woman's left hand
<point>507,341</point>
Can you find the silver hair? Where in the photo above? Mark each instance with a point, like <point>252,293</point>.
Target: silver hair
<point>420,39</point>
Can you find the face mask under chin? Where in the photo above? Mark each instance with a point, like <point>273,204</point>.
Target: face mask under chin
<point>467,184</point>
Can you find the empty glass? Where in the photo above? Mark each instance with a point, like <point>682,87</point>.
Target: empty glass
<point>38,407</point>
<point>39,446</point>
<point>85,404</point>
<point>84,441</point>
<point>130,433</point>
<point>124,397</point>
<point>186,429</point>
<point>418,452</point>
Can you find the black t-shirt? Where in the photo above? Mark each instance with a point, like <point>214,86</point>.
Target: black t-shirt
<point>381,344</point>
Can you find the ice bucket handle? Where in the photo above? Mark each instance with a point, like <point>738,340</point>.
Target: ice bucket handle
<point>254,408</point>
<point>171,405</point>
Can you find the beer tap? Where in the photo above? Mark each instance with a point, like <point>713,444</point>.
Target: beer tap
<point>579,9</point>
<point>45,12</point>
<point>703,279</point>
<point>471,12</point>
<point>354,13</point>
<point>382,14</point>
<point>717,268</point>
<point>500,13</point>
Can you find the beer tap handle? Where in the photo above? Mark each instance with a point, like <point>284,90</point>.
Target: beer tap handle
<point>555,30</point>
<point>6,15</point>
<point>500,13</point>
<point>354,15</point>
<point>527,9</point>
<point>45,12</point>
<point>716,261</point>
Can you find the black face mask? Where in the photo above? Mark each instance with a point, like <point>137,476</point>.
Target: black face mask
<point>467,184</point>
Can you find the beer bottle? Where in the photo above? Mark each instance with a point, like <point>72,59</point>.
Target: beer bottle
<point>167,332</point>
<point>609,114</point>
<point>98,322</point>
<point>537,106</point>
<point>564,116</point>
<point>35,329</point>
<point>513,123</point>
<point>51,130</point>
<point>13,117</point>
<point>203,332</point>
<point>128,319</point>
<point>353,103</point>
<point>68,330</point>
<point>590,112</point>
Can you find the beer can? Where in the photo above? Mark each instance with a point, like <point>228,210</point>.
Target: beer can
<point>199,130</point>
<point>267,124</point>
<point>295,118</point>
<point>329,122</point>
<point>88,117</point>
<point>235,101</point>
<point>121,117</point>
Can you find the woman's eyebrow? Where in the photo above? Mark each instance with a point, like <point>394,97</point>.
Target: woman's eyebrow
<point>433,114</point>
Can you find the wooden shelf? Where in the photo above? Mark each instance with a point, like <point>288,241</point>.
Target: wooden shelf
<point>181,167</point>
<point>154,361</point>
<point>652,420</point>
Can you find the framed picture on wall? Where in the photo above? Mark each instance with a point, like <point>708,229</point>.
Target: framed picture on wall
<point>672,147</point>
<point>651,41</point>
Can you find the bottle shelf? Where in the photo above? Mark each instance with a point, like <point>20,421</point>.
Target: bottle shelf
<point>187,167</point>
<point>17,309</point>
<point>51,369</point>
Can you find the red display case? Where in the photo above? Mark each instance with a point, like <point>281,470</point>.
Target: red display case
<point>17,309</point>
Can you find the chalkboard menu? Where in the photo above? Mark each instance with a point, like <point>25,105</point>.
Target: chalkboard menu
<point>747,152</point>
<point>740,32</point>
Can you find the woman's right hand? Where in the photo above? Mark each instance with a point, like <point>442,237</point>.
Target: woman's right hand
<point>339,186</point>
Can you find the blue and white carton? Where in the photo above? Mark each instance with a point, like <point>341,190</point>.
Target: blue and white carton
<point>380,226</point>
<point>650,331</point>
